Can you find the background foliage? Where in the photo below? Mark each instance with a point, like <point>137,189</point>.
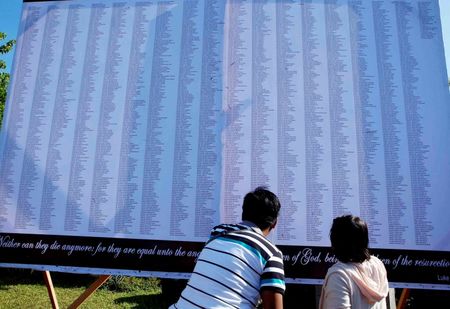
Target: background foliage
<point>5,48</point>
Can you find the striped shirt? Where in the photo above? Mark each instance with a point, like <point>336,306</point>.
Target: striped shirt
<point>236,264</point>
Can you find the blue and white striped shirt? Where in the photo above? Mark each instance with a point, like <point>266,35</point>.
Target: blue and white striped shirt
<point>236,264</point>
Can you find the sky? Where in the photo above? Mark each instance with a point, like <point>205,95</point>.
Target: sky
<point>10,11</point>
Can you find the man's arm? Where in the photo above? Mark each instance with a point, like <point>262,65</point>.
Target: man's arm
<point>271,299</point>
<point>272,284</point>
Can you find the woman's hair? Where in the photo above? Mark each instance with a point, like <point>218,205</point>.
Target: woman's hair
<point>350,239</point>
<point>261,207</point>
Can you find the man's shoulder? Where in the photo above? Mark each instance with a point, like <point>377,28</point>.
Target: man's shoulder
<point>223,229</point>
<point>246,234</point>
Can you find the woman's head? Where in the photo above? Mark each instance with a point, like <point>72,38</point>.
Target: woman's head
<point>350,239</point>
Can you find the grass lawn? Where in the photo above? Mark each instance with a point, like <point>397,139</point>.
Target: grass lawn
<point>25,289</point>
<point>22,288</point>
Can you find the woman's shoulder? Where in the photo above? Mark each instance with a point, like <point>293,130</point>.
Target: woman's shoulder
<point>339,269</point>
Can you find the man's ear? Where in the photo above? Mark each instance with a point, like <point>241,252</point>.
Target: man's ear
<point>274,224</point>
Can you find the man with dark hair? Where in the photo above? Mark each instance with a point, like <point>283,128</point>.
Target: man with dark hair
<point>239,267</point>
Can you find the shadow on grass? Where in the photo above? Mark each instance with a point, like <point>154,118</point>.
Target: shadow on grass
<point>10,276</point>
<point>143,301</point>
<point>17,276</point>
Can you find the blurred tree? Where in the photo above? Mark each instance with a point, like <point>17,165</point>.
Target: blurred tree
<point>4,76</point>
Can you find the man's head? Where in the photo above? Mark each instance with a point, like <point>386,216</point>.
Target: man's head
<point>349,237</point>
<point>261,207</point>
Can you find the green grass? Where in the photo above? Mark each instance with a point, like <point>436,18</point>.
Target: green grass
<point>26,289</point>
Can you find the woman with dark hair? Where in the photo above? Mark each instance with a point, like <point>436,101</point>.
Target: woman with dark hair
<point>358,279</point>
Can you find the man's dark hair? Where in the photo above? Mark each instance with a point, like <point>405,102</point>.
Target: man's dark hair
<point>261,207</point>
<point>349,237</point>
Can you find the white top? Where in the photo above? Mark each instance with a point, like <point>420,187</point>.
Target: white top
<point>355,285</point>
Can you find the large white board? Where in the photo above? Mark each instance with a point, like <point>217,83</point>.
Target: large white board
<point>150,120</point>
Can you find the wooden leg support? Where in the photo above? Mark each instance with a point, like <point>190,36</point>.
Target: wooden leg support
<point>403,298</point>
<point>50,289</point>
<point>92,288</point>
